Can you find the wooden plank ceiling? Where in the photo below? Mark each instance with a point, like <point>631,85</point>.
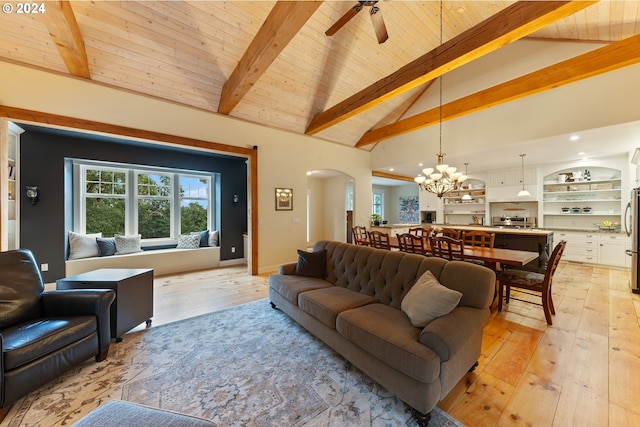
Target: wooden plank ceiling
<point>271,63</point>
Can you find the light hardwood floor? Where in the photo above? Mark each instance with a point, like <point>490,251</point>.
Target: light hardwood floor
<point>582,371</point>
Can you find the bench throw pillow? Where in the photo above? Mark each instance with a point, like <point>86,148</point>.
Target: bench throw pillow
<point>311,264</point>
<point>428,299</point>
<point>127,244</point>
<point>83,245</point>
<point>188,241</point>
<point>107,246</point>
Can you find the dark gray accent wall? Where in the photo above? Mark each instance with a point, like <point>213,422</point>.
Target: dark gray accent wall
<point>45,161</point>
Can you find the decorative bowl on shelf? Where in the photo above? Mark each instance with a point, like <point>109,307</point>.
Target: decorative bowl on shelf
<point>566,210</point>
<point>586,210</point>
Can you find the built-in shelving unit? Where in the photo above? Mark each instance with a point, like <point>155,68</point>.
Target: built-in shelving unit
<point>10,216</point>
<point>464,211</point>
<point>585,198</point>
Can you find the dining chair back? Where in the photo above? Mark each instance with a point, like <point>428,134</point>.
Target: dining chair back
<point>451,232</point>
<point>447,248</point>
<point>421,231</point>
<point>379,240</point>
<point>360,235</point>
<point>532,283</point>
<point>412,244</point>
<point>478,239</point>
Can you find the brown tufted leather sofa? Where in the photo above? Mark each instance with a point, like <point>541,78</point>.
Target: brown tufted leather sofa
<point>356,310</point>
<point>43,334</point>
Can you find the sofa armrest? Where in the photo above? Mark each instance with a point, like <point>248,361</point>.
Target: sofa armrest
<point>81,302</point>
<point>289,268</point>
<point>447,334</point>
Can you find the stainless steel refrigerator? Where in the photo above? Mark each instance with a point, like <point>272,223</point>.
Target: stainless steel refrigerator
<point>632,227</point>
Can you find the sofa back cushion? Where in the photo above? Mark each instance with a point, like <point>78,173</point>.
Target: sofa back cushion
<point>20,288</point>
<point>382,274</point>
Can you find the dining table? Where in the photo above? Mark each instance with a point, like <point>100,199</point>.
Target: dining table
<point>492,256</point>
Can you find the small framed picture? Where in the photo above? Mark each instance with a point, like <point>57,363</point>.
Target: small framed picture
<point>284,199</point>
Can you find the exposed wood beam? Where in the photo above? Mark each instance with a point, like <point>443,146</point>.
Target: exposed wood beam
<point>283,23</point>
<point>392,176</point>
<point>598,61</point>
<point>63,29</point>
<point>512,23</point>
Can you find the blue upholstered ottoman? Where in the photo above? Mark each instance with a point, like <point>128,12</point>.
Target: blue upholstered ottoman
<point>118,413</point>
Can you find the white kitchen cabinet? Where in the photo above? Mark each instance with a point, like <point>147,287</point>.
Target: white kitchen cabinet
<point>612,247</point>
<point>512,177</point>
<point>594,247</point>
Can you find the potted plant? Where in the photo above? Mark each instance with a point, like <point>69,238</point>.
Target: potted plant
<point>376,219</point>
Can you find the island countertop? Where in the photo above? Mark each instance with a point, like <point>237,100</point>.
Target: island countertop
<point>497,229</point>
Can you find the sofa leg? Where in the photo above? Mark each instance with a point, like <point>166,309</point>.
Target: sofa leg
<point>102,355</point>
<point>422,419</point>
<point>274,306</point>
<point>473,368</point>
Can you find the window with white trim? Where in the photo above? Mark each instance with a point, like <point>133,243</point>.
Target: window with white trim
<point>157,203</point>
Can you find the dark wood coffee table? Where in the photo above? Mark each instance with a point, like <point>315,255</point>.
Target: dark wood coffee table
<point>134,294</point>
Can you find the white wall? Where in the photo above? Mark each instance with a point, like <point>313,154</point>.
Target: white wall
<point>283,157</point>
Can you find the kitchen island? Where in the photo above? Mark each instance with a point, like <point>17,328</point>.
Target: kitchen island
<point>524,239</point>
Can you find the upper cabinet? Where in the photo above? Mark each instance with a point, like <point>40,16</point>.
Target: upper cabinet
<point>589,197</point>
<point>9,179</point>
<point>505,184</point>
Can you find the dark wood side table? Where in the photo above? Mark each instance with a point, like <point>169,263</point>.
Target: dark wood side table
<point>134,294</point>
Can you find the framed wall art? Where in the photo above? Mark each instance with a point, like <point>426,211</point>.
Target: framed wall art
<point>284,199</point>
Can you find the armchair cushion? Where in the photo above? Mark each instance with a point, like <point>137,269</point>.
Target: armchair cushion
<point>30,341</point>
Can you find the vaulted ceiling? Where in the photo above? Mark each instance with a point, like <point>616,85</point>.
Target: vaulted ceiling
<point>271,62</point>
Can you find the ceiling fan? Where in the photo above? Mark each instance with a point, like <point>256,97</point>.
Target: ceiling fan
<point>376,18</point>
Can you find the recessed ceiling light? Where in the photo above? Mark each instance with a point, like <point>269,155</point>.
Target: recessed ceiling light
<point>582,153</point>
<point>309,173</point>
<point>574,138</point>
<point>390,169</point>
<point>420,164</point>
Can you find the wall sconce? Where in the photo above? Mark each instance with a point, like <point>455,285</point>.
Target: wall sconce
<point>32,194</point>
<point>236,199</point>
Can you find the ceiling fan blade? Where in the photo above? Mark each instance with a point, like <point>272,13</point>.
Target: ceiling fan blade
<point>344,19</point>
<point>378,25</point>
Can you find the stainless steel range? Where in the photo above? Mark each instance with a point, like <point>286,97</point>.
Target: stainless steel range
<point>514,221</point>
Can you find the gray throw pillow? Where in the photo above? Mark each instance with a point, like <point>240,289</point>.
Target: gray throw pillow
<point>428,299</point>
<point>127,244</point>
<point>311,264</point>
<point>188,241</point>
<point>107,246</point>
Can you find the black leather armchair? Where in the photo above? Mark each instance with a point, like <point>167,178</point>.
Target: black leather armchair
<point>43,334</point>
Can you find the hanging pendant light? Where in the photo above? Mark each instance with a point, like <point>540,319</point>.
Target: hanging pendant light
<point>523,192</point>
<point>443,178</point>
<point>467,196</point>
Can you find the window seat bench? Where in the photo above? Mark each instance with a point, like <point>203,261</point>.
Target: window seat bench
<point>162,261</point>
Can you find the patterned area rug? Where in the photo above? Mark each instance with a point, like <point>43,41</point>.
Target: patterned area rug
<point>245,366</point>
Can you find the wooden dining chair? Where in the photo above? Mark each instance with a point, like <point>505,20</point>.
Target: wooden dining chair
<point>447,248</point>
<point>451,232</point>
<point>532,283</point>
<point>478,239</point>
<point>421,231</point>
<point>412,244</point>
<point>360,235</point>
<point>379,240</point>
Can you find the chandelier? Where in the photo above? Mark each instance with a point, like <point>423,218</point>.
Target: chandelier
<point>443,178</point>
